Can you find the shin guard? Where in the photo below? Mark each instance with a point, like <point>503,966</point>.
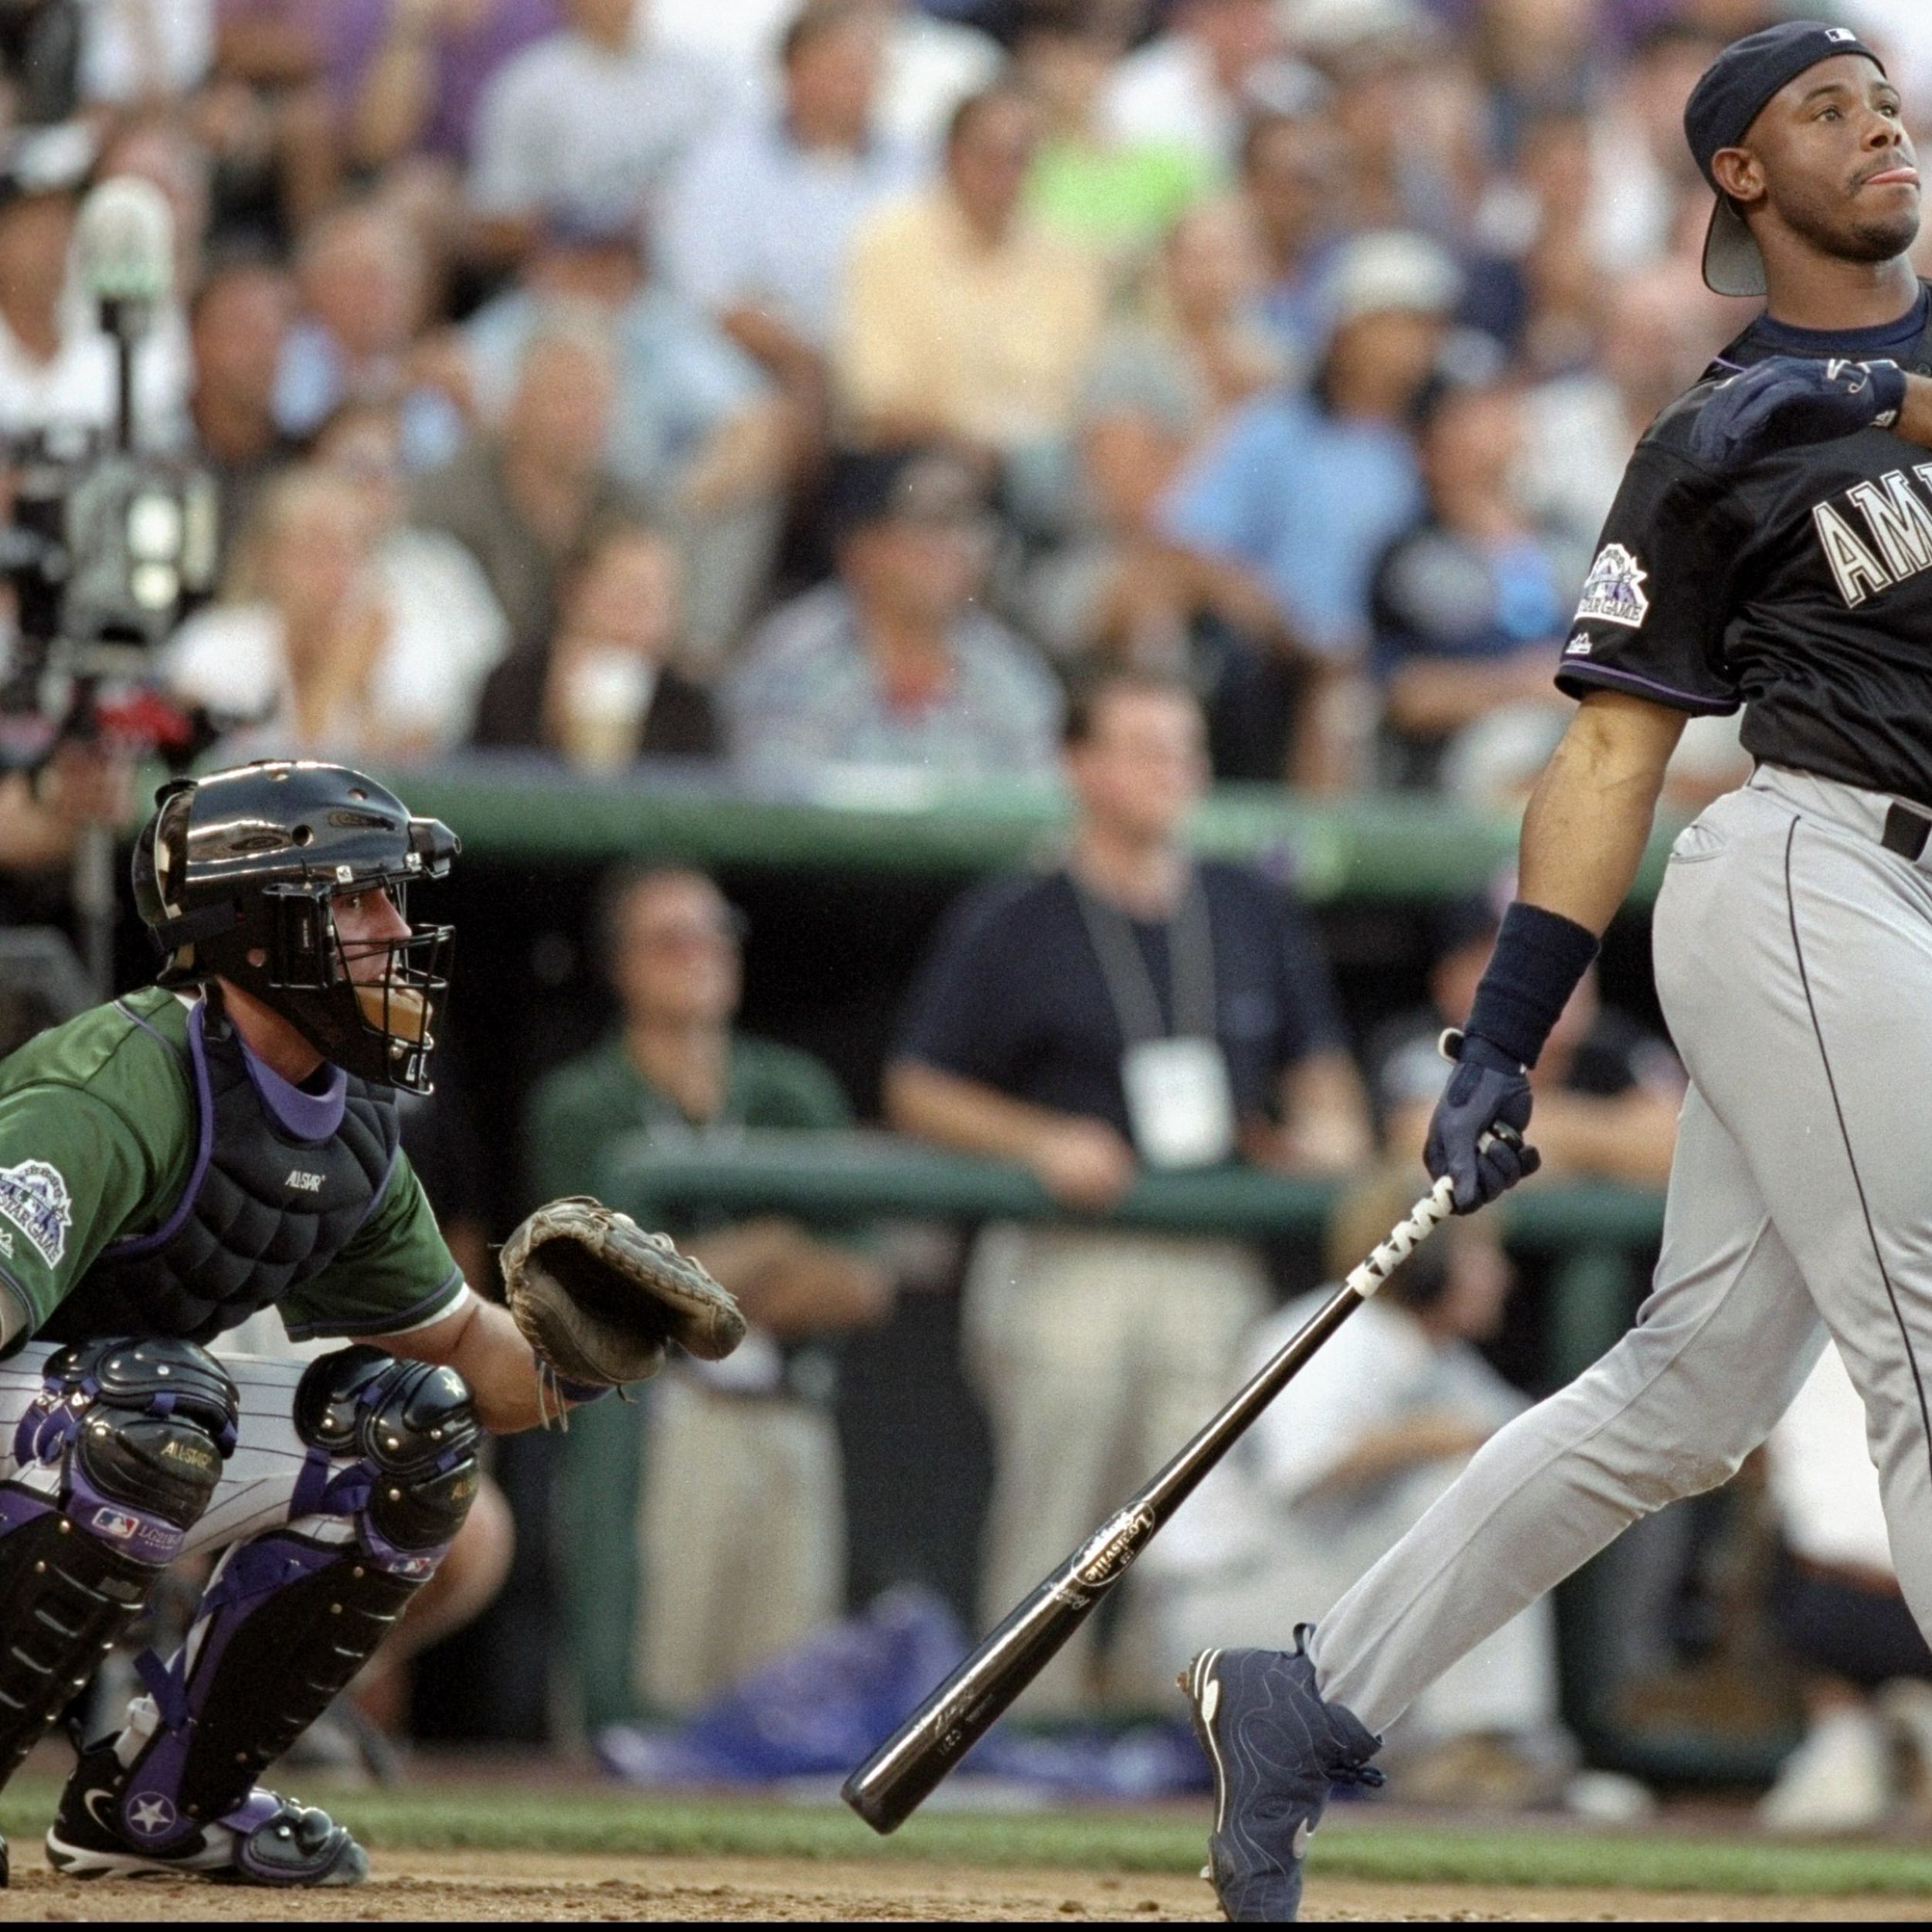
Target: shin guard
<point>291,1616</point>
<point>117,1459</point>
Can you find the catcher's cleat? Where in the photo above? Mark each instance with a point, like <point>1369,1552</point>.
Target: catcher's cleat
<point>1276,1748</point>
<point>267,1839</point>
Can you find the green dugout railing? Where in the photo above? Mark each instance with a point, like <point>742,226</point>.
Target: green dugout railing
<point>826,1177</point>
<point>513,807</point>
<point>1597,1235</point>
<point>1596,1229</point>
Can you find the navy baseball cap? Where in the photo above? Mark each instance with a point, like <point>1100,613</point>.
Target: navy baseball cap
<point>917,482</point>
<point>1726,99</point>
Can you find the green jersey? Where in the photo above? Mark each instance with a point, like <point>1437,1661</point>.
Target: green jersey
<point>588,1103</point>
<point>98,1139</point>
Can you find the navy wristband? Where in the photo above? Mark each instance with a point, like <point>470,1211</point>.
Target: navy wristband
<point>1540,960</point>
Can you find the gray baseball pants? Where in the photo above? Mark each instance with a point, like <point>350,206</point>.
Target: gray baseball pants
<point>1794,958</point>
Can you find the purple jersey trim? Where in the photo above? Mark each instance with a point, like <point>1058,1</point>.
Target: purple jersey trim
<point>1669,693</point>
<point>139,1244</point>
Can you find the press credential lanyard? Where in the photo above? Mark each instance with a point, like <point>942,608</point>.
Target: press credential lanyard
<point>1180,1102</point>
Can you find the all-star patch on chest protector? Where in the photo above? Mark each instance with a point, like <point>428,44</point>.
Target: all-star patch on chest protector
<point>1798,588</point>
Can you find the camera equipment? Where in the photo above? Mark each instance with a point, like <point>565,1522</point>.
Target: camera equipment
<point>109,545</point>
<point>40,43</point>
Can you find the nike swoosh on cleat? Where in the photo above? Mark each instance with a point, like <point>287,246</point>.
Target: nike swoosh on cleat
<point>1207,1702</point>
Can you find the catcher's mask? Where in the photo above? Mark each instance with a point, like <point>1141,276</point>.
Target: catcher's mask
<point>236,874</point>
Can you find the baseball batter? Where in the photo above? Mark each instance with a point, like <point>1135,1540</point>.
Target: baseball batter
<point>1771,549</point>
<point>225,1141</point>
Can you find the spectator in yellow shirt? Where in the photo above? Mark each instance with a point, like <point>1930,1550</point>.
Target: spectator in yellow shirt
<point>961,319</point>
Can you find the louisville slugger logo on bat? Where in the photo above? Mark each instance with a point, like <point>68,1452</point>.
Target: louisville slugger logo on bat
<point>1104,1556</point>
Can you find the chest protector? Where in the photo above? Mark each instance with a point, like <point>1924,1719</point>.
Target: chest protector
<point>282,1178</point>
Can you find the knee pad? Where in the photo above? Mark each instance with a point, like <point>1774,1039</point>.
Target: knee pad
<point>412,1430</point>
<point>141,1429</point>
<point>119,1455</point>
<point>290,1618</point>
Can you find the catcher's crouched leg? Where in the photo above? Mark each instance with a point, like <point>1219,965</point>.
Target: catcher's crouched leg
<point>116,1459</point>
<point>289,1618</point>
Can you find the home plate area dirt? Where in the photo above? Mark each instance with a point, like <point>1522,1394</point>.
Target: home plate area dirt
<point>505,1885</point>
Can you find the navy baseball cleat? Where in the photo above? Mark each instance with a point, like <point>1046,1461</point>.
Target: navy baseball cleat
<point>266,1840</point>
<point>1276,1749</point>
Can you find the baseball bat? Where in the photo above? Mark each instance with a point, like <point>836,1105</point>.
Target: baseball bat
<point>895,1779</point>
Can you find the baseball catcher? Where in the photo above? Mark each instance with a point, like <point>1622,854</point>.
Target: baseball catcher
<point>172,1162</point>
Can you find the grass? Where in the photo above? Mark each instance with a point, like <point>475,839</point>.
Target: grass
<point>496,1818</point>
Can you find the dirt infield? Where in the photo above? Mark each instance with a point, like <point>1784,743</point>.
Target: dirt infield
<point>501,1885</point>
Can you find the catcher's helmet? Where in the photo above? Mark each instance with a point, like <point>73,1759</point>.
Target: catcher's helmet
<point>235,873</point>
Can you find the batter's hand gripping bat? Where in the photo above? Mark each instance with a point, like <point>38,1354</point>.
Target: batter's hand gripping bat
<point>891,1785</point>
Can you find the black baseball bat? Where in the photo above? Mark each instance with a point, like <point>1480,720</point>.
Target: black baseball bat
<point>897,1779</point>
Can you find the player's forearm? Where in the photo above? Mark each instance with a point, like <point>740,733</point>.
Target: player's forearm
<point>487,1349</point>
<point>1590,818</point>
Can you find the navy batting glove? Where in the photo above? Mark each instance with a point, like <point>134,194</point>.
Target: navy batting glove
<point>1791,399</point>
<point>1476,1136</point>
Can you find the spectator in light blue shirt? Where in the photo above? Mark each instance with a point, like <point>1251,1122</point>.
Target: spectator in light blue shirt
<point>678,377</point>
<point>360,277</point>
<point>1281,519</point>
<point>757,223</point>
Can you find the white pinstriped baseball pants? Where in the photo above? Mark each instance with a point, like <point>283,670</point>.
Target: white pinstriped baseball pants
<point>258,1480</point>
<point>1794,957</point>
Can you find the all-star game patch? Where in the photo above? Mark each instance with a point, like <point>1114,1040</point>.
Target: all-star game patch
<point>1613,593</point>
<point>34,1197</point>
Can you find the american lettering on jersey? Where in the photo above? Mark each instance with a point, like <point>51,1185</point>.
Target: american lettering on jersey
<point>1876,534</point>
<point>1797,590</point>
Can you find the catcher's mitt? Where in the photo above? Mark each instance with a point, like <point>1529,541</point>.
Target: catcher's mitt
<point>599,1299</point>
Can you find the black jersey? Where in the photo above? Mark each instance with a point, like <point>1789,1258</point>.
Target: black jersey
<point>1799,587</point>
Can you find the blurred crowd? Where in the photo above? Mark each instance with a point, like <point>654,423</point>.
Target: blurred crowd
<point>815,386</point>
<point>1123,393</point>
